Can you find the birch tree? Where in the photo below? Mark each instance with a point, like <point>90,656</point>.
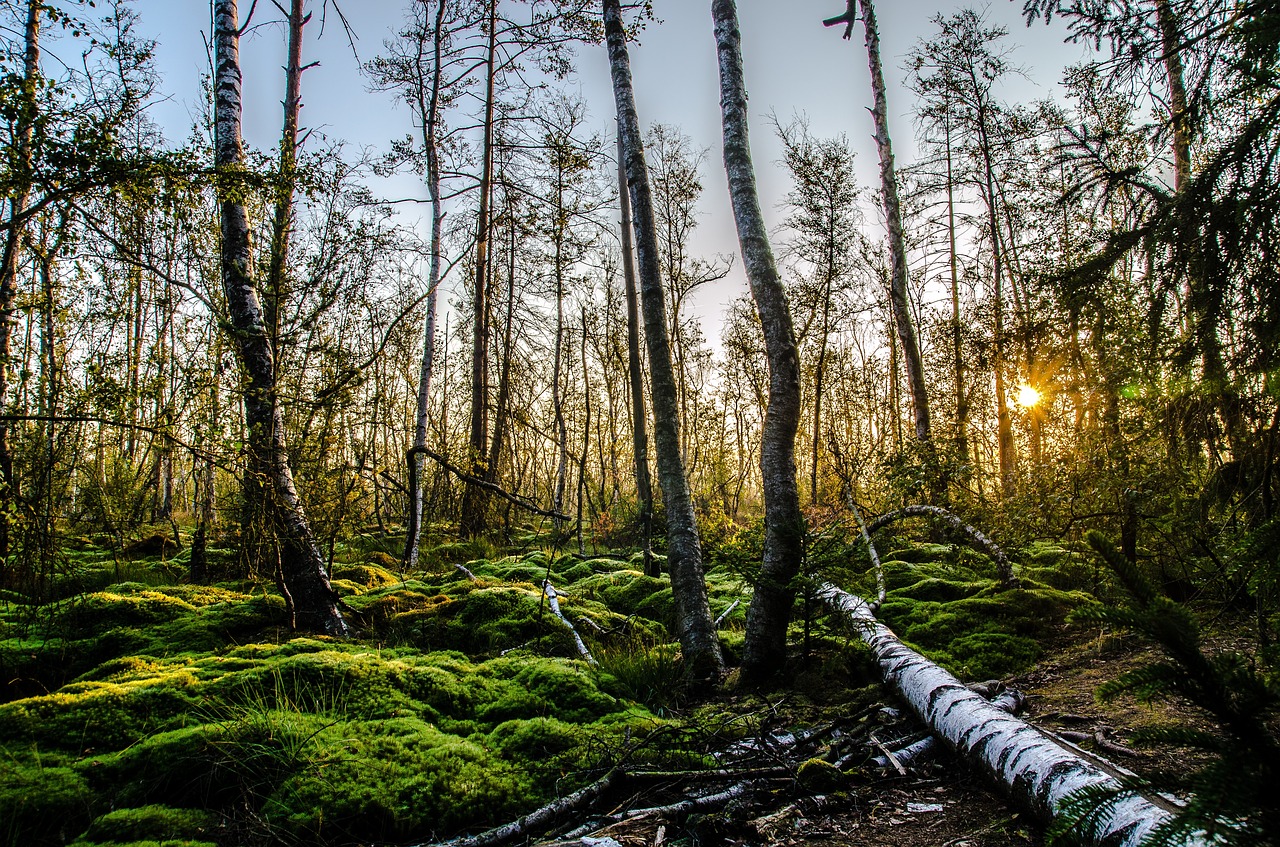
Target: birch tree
<point>765,647</point>
<point>900,306</point>
<point>312,601</point>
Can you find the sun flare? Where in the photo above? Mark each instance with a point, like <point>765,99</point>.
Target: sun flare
<point>1028,396</point>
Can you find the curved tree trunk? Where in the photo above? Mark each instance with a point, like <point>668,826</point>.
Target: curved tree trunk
<point>312,600</point>
<point>697,633</point>
<point>765,647</point>
<point>1004,568</point>
<point>1039,772</point>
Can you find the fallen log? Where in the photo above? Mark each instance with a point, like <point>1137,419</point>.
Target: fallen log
<point>1004,568</point>
<point>1037,772</point>
<point>539,819</point>
<point>1008,701</point>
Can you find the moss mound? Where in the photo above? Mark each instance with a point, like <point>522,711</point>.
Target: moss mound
<point>948,604</point>
<point>162,824</point>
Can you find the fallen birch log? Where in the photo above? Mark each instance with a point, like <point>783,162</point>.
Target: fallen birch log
<point>539,819</point>
<point>1008,701</point>
<point>1038,772</point>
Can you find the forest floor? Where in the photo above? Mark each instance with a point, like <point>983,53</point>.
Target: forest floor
<point>461,702</point>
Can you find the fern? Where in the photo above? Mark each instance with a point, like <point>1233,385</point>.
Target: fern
<point>1235,798</point>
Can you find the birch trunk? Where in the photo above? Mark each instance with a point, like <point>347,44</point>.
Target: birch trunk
<point>698,642</point>
<point>957,352</point>
<point>635,374</point>
<point>1038,771</point>
<point>429,111</point>
<point>765,647</point>
<point>303,575</point>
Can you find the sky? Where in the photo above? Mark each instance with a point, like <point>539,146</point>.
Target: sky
<point>794,66</point>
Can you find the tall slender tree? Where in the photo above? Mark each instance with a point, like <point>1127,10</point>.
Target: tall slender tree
<point>698,641</point>
<point>912,361</point>
<point>16,201</point>
<point>765,648</point>
<point>635,374</point>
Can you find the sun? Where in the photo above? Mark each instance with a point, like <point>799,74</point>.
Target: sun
<point>1028,396</point>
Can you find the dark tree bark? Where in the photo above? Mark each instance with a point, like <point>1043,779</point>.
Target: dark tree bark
<point>911,359</point>
<point>427,96</point>
<point>635,374</point>
<point>17,202</point>
<point>474,500</point>
<point>698,641</point>
<point>312,600</point>
<point>765,647</point>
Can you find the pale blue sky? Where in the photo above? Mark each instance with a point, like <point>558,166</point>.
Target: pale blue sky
<point>793,65</point>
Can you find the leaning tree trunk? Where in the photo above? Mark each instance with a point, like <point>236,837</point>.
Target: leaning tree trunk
<point>312,600</point>
<point>1038,771</point>
<point>765,647</point>
<point>635,374</point>
<point>698,640</point>
<point>911,359</point>
<point>429,111</point>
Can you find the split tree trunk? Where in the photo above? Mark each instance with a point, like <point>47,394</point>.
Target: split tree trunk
<point>697,633</point>
<point>474,500</point>
<point>312,600</point>
<point>1039,772</point>
<point>765,647</point>
<point>635,374</point>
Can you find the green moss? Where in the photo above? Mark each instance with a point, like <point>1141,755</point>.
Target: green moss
<point>630,592</point>
<point>368,576</point>
<point>392,779</point>
<point>41,804</point>
<point>105,610</point>
<point>100,714</point>
<point>154,823</point>
<point>565,689</point>
<point>940,590</point>
<point>923,552</point>
<point>977,630</point>
<point>992,655</point>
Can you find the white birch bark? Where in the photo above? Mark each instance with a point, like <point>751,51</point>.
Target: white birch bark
<point>553,600</point>
<point>1004,568</point>
<point>305,581</point>
<point>428,101</point>
<point>765,646</point>
<point>1039,772</point>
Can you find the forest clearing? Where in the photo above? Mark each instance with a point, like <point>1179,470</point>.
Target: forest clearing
<point>455,491</point>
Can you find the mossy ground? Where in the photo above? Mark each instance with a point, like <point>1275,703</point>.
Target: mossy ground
<point>143,712</point>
